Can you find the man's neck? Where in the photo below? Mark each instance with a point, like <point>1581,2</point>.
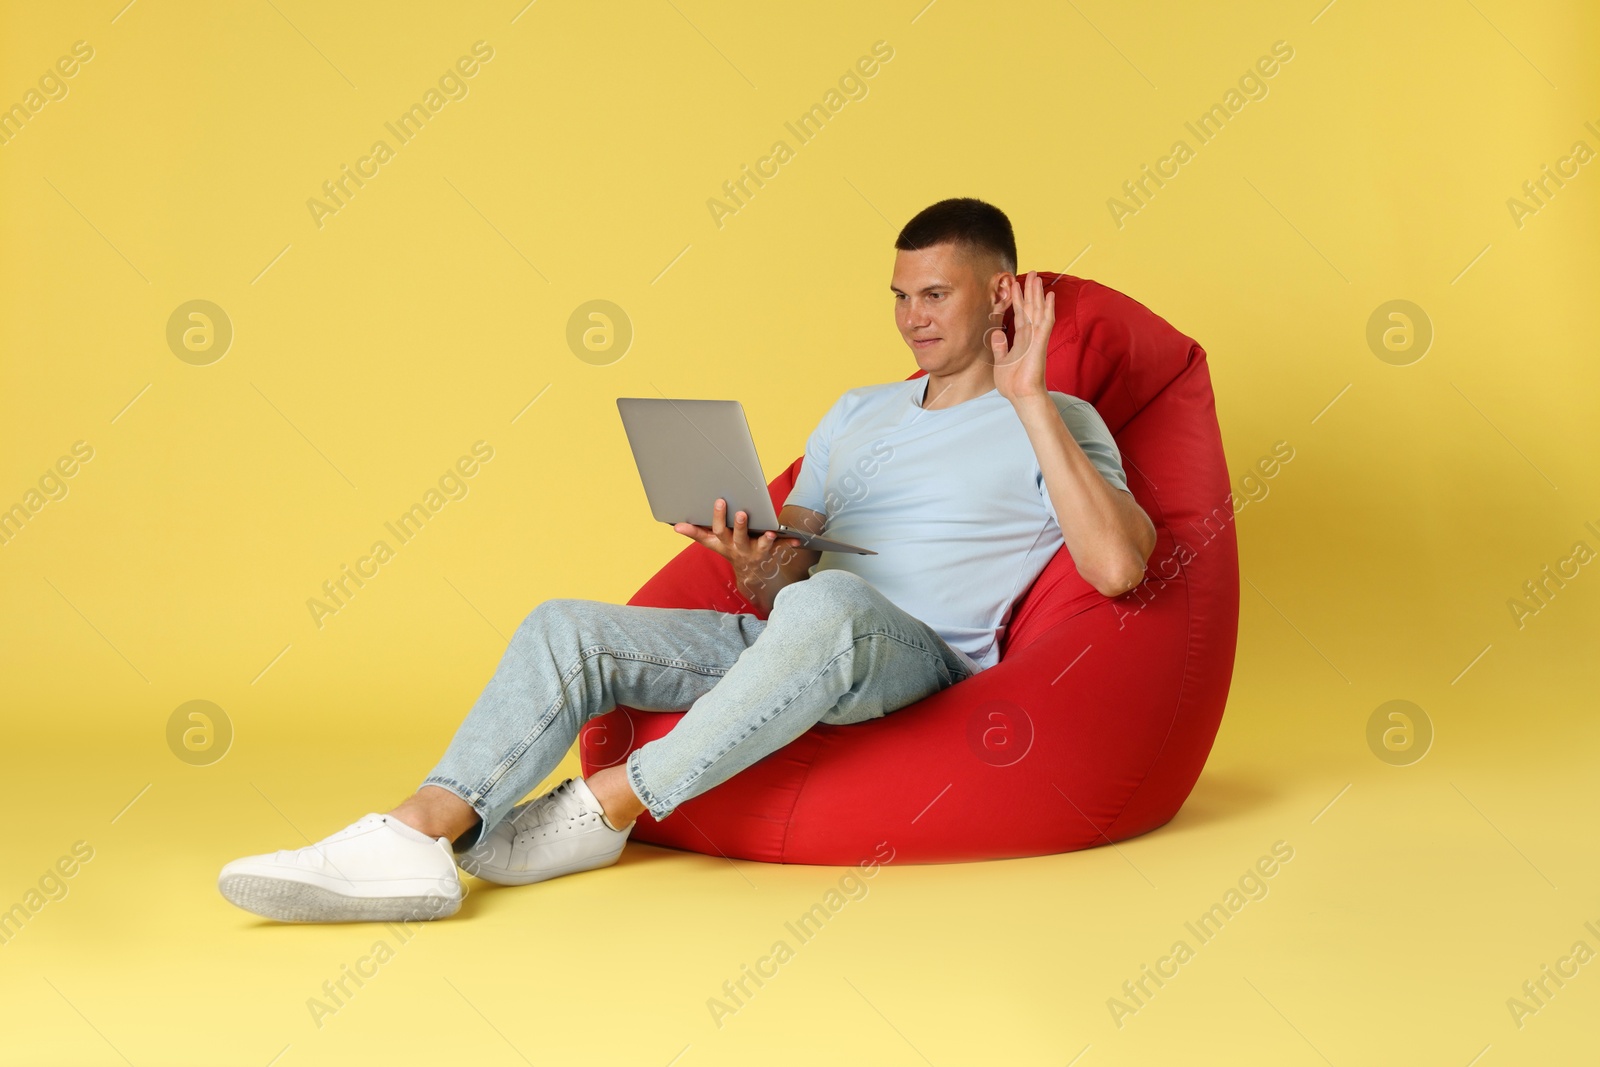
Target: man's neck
<point>948,390</point>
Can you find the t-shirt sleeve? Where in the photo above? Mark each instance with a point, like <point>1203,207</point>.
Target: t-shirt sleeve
<point>1094,437</point>
<point>810,485</point>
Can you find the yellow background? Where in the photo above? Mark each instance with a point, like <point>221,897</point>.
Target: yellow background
<point>427,314</point>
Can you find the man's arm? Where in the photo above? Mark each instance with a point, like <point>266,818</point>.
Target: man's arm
<point>787,565</point>
<point>1107,532</point>
<point>1105,529</point>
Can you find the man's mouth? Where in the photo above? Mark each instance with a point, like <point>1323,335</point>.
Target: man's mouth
<point>925,342</point>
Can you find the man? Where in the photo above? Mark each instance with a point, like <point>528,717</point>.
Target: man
<point>966,481</point>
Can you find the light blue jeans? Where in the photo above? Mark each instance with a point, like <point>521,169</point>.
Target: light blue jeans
<point>833,649</point>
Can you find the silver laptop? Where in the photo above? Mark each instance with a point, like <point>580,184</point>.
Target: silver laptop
<point>690,452</point>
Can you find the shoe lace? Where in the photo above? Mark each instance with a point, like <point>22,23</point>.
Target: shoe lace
<point>567,804</point>
<point>561,804</point>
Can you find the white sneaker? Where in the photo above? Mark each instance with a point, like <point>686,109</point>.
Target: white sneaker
<point>377,869</point>
<point>561,832</point>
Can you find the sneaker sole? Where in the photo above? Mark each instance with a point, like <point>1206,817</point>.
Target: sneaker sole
<point>290,901</point>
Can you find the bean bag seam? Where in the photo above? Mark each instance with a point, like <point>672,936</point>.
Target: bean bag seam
<point>794,803</point>
<point>1177,707</point>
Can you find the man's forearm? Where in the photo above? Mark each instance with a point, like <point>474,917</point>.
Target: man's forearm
<point>1108,534</point>
<point>759,594</point>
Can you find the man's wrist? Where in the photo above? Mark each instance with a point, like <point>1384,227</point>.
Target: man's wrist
<point>1034,405</point>
<point>754,593</point>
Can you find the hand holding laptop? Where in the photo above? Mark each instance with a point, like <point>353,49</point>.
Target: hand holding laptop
<point>735,543</point>
<point>691,451</point>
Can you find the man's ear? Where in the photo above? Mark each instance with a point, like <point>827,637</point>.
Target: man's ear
<point>1003,289</point>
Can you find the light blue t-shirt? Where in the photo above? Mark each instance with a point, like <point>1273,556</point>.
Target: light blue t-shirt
<point>952,499</point>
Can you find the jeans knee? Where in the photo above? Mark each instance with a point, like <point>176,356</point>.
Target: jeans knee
<point>827,595</point>
<point>560,613</point>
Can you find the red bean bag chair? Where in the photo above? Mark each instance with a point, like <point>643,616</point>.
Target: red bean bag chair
<point>1096,721</point>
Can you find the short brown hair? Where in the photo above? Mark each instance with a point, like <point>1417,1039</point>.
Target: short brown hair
<point>972,224</point>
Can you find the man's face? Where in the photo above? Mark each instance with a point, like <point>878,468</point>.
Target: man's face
<point>945,301</point>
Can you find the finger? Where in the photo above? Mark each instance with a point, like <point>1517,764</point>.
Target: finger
<point>741,529</point>
<point>762,544</point>
<point>718,511</point>
<point>997,342</point>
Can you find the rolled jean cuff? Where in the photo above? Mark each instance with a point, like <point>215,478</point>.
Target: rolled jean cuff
<point>653,804</point>
<point>471,838</point>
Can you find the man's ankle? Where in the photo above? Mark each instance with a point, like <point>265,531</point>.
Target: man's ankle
<point>430,822</point>
<point>413,819</point>
<point>619,806</point>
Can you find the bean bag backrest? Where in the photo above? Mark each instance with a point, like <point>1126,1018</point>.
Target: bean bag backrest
<point>1152,387</point>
